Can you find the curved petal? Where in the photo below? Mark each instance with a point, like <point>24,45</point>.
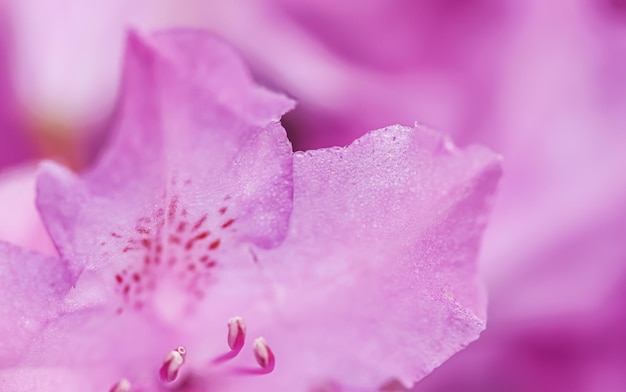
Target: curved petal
<point>20,222</point>
<point>378,273</point>
<point>191,117</point>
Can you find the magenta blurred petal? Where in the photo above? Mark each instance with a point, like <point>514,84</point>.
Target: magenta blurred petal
<point>355,67</point>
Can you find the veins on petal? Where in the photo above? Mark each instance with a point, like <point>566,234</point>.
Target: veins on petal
<point>173,243</point>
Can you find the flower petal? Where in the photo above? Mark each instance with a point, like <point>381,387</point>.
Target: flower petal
<point>20,223</point>
<point>43,379</point>
<point>378,273</point>
<point>191,117</point>
<point>32,289</point>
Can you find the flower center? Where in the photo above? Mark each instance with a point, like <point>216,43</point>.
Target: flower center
<point>170,244</point>
<point>173,363</point>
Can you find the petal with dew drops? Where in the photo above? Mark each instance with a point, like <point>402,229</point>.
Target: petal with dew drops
<point>379,267</point>
<point>33,287</point>
<point>190,118</point>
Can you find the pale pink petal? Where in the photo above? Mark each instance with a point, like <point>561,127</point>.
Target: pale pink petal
<point>192,119</point>
<point>379,266</point>
<point>58,337</point>
<point>44,379</point>
<point>20,222</point>
<point>33,287</point>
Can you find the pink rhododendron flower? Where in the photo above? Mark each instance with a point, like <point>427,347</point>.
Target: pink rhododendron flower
<point>542,82</point>
<point>201,254</point>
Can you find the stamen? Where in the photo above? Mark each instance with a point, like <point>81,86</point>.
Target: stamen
<point>172,363</point>
<point>236,339</point>
<point>236,333</point>
<point>122,386</point>
<point>263,354</point>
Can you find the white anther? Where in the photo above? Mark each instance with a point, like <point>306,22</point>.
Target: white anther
<point>263,354</point>
<point>122,386</point>
<point>172,364</point>
<point>236,333</point>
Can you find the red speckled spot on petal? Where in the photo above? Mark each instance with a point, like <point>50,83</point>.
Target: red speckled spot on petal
<point>185,242</point>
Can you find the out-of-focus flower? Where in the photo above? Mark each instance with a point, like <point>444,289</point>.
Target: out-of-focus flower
<point>14,142</point>
<point>355,264</point>
<point>59,71</point>
<point>354,66</point>
<point>542,82</point>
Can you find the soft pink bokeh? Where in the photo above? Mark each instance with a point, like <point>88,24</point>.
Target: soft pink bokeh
<point>59,78</point>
